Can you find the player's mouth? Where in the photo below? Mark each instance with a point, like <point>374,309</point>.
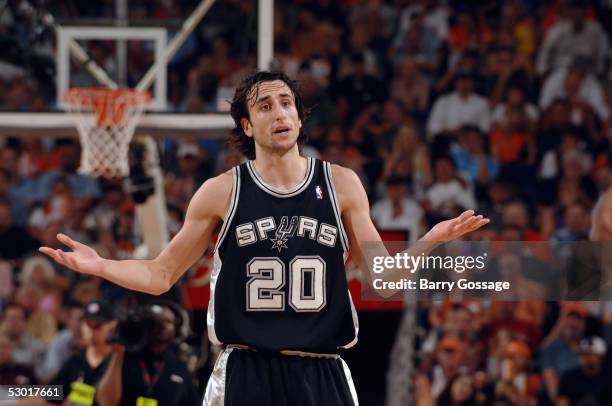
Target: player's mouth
<point>281,130</point>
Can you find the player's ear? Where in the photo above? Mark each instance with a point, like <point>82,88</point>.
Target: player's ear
<point>300,123</point>
<point>246,126</point>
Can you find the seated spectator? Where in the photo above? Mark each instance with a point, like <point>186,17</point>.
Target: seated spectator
<point>65,343</point>
<point>460,391</point>
<point>516,372</point>
<point>15,242</point>
<point>582,89</point>
<point>409,87</point>
<point>472,158</point>
<point>412,154</point>
<point>448,191</point>
<point>453,110</point>
<point>396,211</point>
<point>514,98</point>
<point>588,383</point>
<point>26,349</point>
<point>575,226</point>
<point>575,35</point>
<point>512,141</point>
<point>516,216</point>
<point>560,352</point>
<point>430,383</point>
<point>11,372</point>
<point>359,90</point>
<point>84,188</point>
<point>58,207</point>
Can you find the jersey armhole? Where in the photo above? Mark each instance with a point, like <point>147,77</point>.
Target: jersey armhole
<point>336,207</point>
<point>231,210</point>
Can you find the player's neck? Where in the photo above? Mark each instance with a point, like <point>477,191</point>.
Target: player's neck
<point>281,172</point>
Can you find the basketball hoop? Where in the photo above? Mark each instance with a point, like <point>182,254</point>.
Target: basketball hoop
<point>106,120</point>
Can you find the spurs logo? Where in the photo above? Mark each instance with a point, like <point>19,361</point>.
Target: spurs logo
<point>264,228</point>
<point>285,231</point>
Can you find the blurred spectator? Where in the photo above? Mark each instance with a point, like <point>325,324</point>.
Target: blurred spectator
<point>461,107</point>
<point>359,89</point>
<point>84,188</point>
<point>576,224</point>
<point>515,216</point>
<point>576,35</point>
<point>58,207</point>
<point>561,354</point>
<point>409,87</point>
<point>514,98</point>
<point>449,359</point>
<point>80,374</point>
<point>449,193</point>
<point>582,89</point>
<point>26,349</point>
<point>512,140</point>
<point>516,380</point>
<point>410,158</point>
<point>67,341</point>
<point>590,382</point>
<point>472,158</point>
<point>419,42</point>
<point>396,211</point>
<point>11,372</point>
<point>460,391</point>
<point>499,193</point>
<point>15,242</point>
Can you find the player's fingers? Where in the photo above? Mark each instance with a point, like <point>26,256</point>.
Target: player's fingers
<point>464,216</point>
<point>48,251</point>
<point>69,242</point>
<point>480,223</point>
<point>466,224</point>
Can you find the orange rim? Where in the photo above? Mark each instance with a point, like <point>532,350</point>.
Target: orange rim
<point>109,105</point>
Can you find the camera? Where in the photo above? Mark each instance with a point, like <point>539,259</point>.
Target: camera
<point>136,324</point>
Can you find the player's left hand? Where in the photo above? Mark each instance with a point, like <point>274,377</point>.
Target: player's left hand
<point>452,229</point>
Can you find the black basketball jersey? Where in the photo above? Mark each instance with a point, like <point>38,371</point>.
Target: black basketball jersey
<point>278,281</point>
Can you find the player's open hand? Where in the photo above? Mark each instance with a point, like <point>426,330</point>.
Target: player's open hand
<point>452,229</point>
<point>82,259</point>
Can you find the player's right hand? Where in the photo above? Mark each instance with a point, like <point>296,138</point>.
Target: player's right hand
<point>82,259</point>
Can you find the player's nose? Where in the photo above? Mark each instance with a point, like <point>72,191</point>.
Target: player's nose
<point>279,112</point>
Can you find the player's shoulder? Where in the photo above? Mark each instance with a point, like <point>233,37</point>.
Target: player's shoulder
<point>349,188</point>
<point>343,177</point>
<point>214,195</point>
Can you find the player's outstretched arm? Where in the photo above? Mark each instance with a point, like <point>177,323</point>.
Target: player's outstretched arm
<point>360,228</point>
<point>156,276</point>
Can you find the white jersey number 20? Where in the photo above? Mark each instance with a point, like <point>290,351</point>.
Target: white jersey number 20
<point>306,284</point>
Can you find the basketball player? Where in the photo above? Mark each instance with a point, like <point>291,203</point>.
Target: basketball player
<point>279,298</point>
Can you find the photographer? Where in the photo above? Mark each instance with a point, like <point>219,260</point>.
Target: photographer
<point>153,375</point>
<point>82,372</point>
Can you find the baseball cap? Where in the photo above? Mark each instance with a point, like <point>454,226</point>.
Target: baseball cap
<point>185,150</point>
<point>593,345</point>
<point>98,310</point>
<point>576,309</point>
<point>516,348</point>
<point>451,343</point>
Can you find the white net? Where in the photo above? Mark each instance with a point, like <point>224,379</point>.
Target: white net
<point>106,120</point>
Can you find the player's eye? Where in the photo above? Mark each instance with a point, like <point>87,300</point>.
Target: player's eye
<point>265,107</point>
<point>286,103</point>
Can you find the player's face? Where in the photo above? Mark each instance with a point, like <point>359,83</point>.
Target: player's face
<point>274,121</point>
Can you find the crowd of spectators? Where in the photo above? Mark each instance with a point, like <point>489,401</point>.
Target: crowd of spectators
<point>438,106</point>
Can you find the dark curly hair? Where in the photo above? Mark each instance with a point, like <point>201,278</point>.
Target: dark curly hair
<point>240,109</point>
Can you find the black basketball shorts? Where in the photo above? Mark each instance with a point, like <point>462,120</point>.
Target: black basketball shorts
<point>245,377</point>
